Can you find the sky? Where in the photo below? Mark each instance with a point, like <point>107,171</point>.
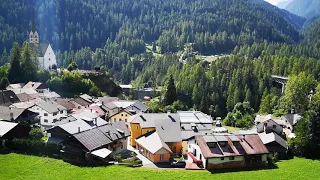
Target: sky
<point>274,2</point>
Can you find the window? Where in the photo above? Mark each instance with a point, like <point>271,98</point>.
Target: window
<point>55,120</point>
<point>223,144</point>
<point>212,145</point>
<point>189,146</point>
<point>161,157</point>
<point>46,120</point>
<point>45,114</point>
<point>137,127</point>
<point>126,115</point>
<point>54,114</point>
<point>231,158</point>
<point>200,156</point>
<point>120,119</point>
<point>236,143</point>
<point>121,146</point>
<point>61,112</point>
<point>115,119</point>
<point>274,126</point>
<point>222,158</point>
<point>121,114</point>
<point>125,120</point>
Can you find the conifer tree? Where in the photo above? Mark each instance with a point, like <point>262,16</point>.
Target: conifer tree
<point>29,67</point>
<point>171,93</point>
<point>15,73</point>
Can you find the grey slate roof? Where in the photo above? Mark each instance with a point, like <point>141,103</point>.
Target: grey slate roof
<point>51,107</point>
<point>5,127</point>
<point>42,49</point>
<point>102,135</point>
<point>87,98</point>
<point>15,86</point>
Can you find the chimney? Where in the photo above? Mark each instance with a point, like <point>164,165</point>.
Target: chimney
<point>169,111</point>
<point>96,121</point>
<point>79,130</point>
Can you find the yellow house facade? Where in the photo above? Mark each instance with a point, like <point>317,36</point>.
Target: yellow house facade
<point>120,116</point>
<point>137,131</point>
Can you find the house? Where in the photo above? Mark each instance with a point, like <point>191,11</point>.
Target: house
<point>106,99</point>
<point>10,130</point>
<point>193,123</point>
<point>46,57</point>
<point>29,91</point>
<point>17,115</point>
<point>79,103</point>
<point>37,86</point>
<point>222,151</point>
<point>269,126</point>
<point>166,125</point>
<point>65,103</point>
<point>97,143</point>
<point>126,89</point>
<point>123,110</point>
<point>153,147</point>
<point>8,97</point>
<point>49,113</point>
<point>89,117</point>
<point>24,97</point>
<point>94,109</point>
<point>87,98</point>
<point>59,133</point>
<point>287,121</point>
<point>15,86</point>
<point>274,143</point>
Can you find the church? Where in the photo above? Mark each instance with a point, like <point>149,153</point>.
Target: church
<point>46,57</point>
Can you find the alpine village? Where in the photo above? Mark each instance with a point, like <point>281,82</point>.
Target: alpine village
<point>159,89</point>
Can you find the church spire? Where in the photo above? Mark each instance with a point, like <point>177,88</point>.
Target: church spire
<point>33,28</point>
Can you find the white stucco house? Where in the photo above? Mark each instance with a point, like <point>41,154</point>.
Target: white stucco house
<point>49,113</point>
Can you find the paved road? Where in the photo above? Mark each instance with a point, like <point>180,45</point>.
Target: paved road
<point>145,161</point>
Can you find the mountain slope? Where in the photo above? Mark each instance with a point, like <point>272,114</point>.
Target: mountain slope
<point>73,24</point>
<point>312,34</point>
<point>284,4</point>
<point>305,8</point>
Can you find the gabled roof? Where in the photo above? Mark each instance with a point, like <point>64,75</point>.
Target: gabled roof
<point>51,107</point>
<point>24,97</point>
<point>81,102</point>
<point>43,49</point>
<point>93,109</point>
<point>75,126</point>
<point>27,104</point>
<point>101,136</point>
<point>292,118</point>
<point>153,143</point>
<point>194,117</point>
<point>65,103</point>
<point>8,97</point>
<point>249,144</point>
<point>15,86</point>
<point>28,91</point>
<point>5,127</point>
<point>107,99</point>
<point>267,138</point>
<point>87,98</point>
<point>35,85</point>
<point>8,114</point>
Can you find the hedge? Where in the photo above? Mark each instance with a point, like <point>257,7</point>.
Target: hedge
<point>36,147</point>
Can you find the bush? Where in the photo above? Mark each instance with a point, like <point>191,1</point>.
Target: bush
<point>36,134</point>
<point>273,158</point>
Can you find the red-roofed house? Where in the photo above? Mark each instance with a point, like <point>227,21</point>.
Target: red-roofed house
<point>221,151</point>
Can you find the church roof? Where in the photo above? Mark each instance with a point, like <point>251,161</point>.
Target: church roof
<point>42,49</point>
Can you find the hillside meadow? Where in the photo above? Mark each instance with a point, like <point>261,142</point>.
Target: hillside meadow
<point>16,166</point>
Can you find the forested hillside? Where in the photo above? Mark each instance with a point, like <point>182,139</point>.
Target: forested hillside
<point>312,34</point>
<point>214,26</point>
<point>304,8</point>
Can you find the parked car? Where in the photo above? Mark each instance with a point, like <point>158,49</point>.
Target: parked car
<point>178,164</point>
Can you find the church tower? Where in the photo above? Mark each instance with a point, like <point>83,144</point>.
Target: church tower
<point>33,36</point>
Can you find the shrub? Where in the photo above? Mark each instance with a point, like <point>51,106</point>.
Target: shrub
<point>36,134</point>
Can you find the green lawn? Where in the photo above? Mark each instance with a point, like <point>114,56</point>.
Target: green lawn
<point>14,166</point>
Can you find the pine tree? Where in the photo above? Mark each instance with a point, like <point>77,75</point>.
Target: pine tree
<point>28,66</point>
<point>15,73</point>
<point>171,93</point>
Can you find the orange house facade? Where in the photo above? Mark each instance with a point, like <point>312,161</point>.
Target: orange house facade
<point>160,156</point>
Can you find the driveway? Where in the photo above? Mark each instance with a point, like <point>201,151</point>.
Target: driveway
<point>145,161</point>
